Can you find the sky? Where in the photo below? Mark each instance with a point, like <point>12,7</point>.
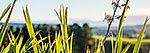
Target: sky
<point>80,11</point>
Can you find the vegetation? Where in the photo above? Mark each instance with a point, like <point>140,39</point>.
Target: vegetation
<point>126,40</point>
<point>63,38</point>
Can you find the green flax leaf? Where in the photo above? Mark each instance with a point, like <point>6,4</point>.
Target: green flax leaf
<point>140,38</point>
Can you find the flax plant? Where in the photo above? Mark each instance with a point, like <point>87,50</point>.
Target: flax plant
<point>118,45</point>
<point>140,38</point>
<point>119,40</point>
<point>3,31</point>
<point>63,16</point>
<point>62,42</point>
<point>30,28</point>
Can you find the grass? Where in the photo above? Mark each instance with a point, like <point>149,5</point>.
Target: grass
<point>118,42</point>
<point>63,16</point>
<point>63,42</point>
<point>140,38</point>
<point>3,32</point>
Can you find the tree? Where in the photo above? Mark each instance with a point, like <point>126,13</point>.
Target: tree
<point>82,35</point>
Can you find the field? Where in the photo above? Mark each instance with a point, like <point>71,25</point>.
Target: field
<point>131,40</point>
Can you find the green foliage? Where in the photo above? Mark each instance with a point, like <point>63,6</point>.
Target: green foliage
<point>30,28</point>
<point>66,47</point>
<point>5,11</point>
<point>63,43</point>
<point>126,48</point>
<point>98,49</point>
<point>63,22</point>
<point>7,20</point>
<point>140,38</point>
<point>118,43</point>
<point>119,39</point>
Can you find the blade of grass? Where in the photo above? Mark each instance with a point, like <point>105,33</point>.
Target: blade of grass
<point>65,27</point>
<point>54,50</point>
<point>6,24</point>
<point>19,44</point>
<point>50,48</point>
<point>42,43</point>
<point>58,16</point>
<point>5,11</point>
<point>9,38</point>
<point>63,14</point>
<point>39,41</point>
<point>119,47</point>
<point>112,43</point>
<point>98,50</point>
<point>103,48</point>
<point>18,35</point>
<point>45,47</point>
<point>6,50</point>
<point>29,23</point>
<point>66,15</point>
<point>0,26</point>
<point>87,50</point>
<point>58,43</point>
<point>30,28</point>
<point>2,49</point>
<point>49,40</point>
<point>120,26</point>
<point>26,46</point>
<point>71,41</point>
<point>126,48</point>
<point>12,36</point>
<point>140,38</point>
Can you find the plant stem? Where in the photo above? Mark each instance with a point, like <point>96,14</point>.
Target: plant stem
<point>109,25</point>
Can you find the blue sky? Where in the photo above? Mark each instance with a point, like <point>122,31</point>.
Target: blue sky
<point>42,11</point>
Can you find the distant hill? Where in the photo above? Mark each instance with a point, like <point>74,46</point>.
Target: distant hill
<point>129,31</point>
<point>23,24</point>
